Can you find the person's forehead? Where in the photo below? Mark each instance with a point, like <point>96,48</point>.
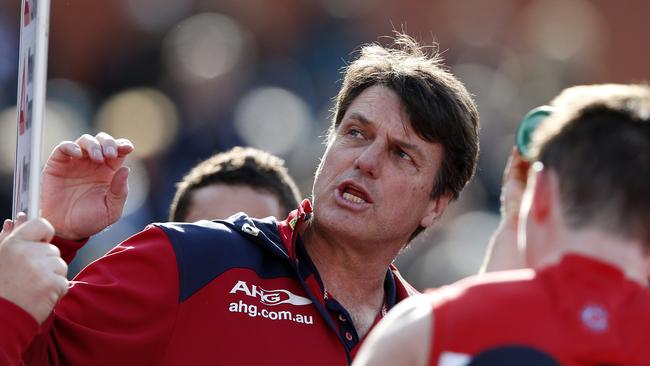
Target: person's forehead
<point>220,201</point>
<point>379,105</point>
<point>380,98</point>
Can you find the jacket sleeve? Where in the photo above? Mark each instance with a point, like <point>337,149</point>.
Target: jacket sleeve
<point>120,309</point>
<point>17,329</point>
<point>68,248</point>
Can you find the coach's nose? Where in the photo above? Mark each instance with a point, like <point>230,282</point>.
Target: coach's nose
<point>370,159</point>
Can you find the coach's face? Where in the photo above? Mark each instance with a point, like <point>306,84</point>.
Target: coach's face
<point>375,180</point>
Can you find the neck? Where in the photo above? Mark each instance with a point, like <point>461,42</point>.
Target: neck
<point>625,254</point>
<point>351,274</point>
<point>345,265</point>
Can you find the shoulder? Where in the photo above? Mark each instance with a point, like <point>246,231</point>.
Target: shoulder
<point>206,249</point>
<point>492,285</point>
<point>509,297</point>
<point>410,317</point>
<point>237,234</point>
<point>236,227</point>
<point>402,337</point>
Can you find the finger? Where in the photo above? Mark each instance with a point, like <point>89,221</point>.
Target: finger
<point>58,266</point>
<point>92,147</point>
<point>117,192</point>
<point>49,250</point>
<point>521,166</point>
<point>108,144</point>
<point>119,184</point>
<point>7,226</point>
<point>45,252</point>
<point>21,218</point>
<point>516,168</point>
<point>37,229</point>
<point>124,147</point>
<point>66,150</point>
<point>61,286</point>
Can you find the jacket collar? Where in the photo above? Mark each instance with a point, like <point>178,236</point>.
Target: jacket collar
<point>289,228</point>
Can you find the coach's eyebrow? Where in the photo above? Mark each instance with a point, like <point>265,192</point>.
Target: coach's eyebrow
<point>361,118</point>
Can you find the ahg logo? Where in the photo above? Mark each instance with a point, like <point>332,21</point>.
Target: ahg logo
<point>270,297</point>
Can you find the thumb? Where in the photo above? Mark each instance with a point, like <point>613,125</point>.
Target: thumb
<point>516,168</point>
<point>7,227</point>
<point>118,191</point>
<point>38,229</point>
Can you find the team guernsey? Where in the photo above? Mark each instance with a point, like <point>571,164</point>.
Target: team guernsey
<point>580,312</point>
<point>235,292</point>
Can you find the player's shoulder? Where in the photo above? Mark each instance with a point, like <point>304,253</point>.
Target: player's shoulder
<point>498,286</point>
<point>411,310</point>
<point>402,336</point>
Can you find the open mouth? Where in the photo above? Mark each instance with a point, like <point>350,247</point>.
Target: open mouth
<point>354,194</point>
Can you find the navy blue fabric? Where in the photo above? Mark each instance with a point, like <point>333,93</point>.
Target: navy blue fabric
<point>390,290</point>
<point>206,249</point>
<point>306,266</point>
<point>513,356</point>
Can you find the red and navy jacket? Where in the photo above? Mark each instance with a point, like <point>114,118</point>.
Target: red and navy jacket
<point>236,292</point>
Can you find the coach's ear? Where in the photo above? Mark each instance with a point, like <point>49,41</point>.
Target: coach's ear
<point>435,209</point>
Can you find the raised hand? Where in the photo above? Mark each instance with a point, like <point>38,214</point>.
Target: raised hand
<point>502,253</point>
<point>32,273</point>
<point>513,185</point>
<point>84,185</point>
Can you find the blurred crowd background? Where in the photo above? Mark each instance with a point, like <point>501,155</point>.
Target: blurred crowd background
<point>184,79</point>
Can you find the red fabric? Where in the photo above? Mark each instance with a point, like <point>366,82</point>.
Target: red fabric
<point>581,312</point>
<point>288,228</point>
<point>68,248</point>
<point>404,289</point>
<point>124,309</point>
<point>119,311</point>
<point>136,317</point>
<point>18,329</point>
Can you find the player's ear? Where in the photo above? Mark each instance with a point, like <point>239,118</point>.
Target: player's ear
<point>435,208</point>
<point>544,192</point>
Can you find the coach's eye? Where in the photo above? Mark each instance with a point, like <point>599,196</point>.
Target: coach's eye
<point>355,132</point>
<point>404,155</point>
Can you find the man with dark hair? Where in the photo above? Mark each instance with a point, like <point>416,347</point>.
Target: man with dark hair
<point>584,231</point>
<point>241,179</point>
<point>435,102</point>
<point>303,291</point>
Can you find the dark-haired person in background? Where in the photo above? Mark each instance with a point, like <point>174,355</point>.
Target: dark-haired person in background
<point>584,231</point>
<point>304,291</point>
<point>240,179</point>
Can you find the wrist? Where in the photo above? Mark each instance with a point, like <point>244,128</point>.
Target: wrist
<point>68,248</point>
